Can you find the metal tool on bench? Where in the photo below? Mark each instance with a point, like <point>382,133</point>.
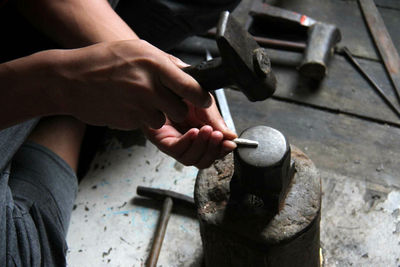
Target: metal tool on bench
<point>384,43</point>
<point>169,198</point>
<point>322,37</point>
<point>243,64</point>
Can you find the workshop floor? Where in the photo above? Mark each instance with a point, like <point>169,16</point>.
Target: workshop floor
<point>344,127</point>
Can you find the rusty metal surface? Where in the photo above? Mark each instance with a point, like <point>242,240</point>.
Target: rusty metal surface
<point>240,234</point>
<point>383,42</point>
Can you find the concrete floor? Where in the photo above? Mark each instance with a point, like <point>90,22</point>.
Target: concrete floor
<point>360,223</point>
<point>111,226</point>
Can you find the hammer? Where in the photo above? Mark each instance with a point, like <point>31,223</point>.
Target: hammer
<point>243,64</point>
<point>322,37</point>
<point>169,198</point>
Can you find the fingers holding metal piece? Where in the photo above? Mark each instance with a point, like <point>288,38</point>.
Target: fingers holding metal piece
<point>245,142</point>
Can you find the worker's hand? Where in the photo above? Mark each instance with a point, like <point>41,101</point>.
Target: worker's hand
<point>201,139</point>
<point>126,85</point>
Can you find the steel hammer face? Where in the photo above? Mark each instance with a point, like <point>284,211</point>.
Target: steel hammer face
<point>247,65</point>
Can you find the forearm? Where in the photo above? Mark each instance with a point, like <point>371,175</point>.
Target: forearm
<point>76,23</point>
<point>25,90</point>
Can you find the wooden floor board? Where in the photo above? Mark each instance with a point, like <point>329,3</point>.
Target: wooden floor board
<point>343,89</point>
<point>344,145</point>
<point>347,16</point>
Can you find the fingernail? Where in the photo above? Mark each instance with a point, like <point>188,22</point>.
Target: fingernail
<point>182,64</point>
<point>231,147</point>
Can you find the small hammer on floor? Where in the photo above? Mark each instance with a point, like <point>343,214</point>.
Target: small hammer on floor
<point>169,198</point>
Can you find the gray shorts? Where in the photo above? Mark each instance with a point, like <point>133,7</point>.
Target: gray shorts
<point>37,193</point>
<point>37,188</point>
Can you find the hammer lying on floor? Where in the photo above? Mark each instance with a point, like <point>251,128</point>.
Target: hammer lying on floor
<point>169,198</point>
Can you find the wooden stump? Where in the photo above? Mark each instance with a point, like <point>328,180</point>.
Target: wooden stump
<point>240,233</point>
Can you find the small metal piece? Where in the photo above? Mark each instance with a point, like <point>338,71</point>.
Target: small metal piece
<point>383,41</point>
<point>381,93</point>
<point>245,142</point>
<point>267,170</point>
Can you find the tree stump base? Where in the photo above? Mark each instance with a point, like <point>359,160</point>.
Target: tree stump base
<point>241,232</point>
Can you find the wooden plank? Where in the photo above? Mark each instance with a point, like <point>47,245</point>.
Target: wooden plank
<point>338,143</point>
<point>344,89</point>
<point>390,4</point>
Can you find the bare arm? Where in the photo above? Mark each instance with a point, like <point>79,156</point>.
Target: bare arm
<point>76,23</point>
<point>120,84</point>
<point>26,83</point>
<point>25,91</point>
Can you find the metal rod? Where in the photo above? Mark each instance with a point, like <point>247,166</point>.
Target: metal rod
<point>245,142</point>
<point>381,93</point>
<point>160,233</point>
<point>383,41</point>
<point>269,42</point>
<point>222,102</point>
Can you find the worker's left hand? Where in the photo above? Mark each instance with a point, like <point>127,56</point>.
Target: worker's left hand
<point>201,139</point>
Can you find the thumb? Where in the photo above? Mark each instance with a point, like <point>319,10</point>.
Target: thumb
<point>178,62</point>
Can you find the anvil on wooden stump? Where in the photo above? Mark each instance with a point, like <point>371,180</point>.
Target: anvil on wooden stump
<point>267,214</point>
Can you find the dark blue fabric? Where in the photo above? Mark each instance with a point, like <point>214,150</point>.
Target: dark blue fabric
<point>12,138</point>
<point>36,198</point>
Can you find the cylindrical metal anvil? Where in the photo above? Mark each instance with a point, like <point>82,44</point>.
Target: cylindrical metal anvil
<point>267,170</point>
<point>261,208</point>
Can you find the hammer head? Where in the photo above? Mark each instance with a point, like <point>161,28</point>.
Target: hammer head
<point>247,64</point>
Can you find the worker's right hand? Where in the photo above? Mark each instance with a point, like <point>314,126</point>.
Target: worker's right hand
<point>125,85</point>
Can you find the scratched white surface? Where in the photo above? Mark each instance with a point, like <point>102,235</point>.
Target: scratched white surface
<point>360,223</point>
<point>109,229</point>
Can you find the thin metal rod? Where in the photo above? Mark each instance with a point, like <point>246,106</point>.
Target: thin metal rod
<point>245,142</point>
<point>160,233</point>
<point>383,41</point>
<point>223,103</point>
<point>381,93</point>
<point>269,42</point>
